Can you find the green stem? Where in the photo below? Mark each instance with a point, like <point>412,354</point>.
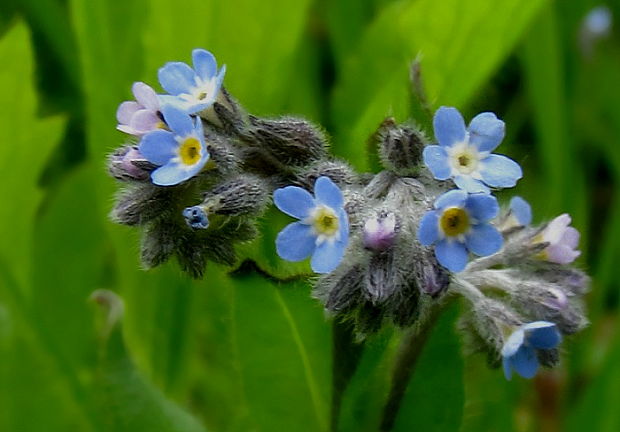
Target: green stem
<point>346,356</point>
<point>411,347</point>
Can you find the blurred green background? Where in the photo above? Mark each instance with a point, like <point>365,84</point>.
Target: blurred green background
<point>242,353</point>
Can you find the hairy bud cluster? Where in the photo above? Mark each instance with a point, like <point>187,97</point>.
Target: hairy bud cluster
<point>385,273</point>
<point>201,219</point>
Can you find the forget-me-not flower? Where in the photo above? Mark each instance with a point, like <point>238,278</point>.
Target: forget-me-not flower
<point>323,227</point>
<point>142,115</point>
<point>464,154</point>
<point>519,351</point>
<point>192,90</point>
<point>181,152</point>
<point>460,223</point>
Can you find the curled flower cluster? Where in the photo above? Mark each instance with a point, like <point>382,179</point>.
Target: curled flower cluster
<point>390,247</point>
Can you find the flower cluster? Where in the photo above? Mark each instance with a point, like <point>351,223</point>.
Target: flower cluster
<point>198,170</point>
<point>198,173</point>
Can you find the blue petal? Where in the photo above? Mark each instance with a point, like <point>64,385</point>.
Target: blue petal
<point>482,207</point>
<point>327,256</point>
<point>521,210</point>
<point>484,239</point>
<point>295,242</point>
<point>326,192</point>
<point>542,334</point>
<point>220,78</point>
<point>453,198</point>
<point>525,362</point>
<point>513,343</point>
<point>486,131</point>
<point>177,78</point>
<point>449,126</point>
<point>294,201</point>
<point>170,174</point>
<point>158,147</point>
<point>428,232</point>
<point>180,122</point>
<point>451,254</point>
<point>470,185</point>
<point>205,64</point>
<point>500,171</point>
<point>436,160</point>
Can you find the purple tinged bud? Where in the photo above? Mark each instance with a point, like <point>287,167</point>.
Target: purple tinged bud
<point>127,163</point>
<point>556,299</point>
<point>563,241</point>
<point>380,232</point>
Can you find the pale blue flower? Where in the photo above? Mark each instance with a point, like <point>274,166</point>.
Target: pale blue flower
<point>192,90</point>
<point>464,154</point>
<point>458,225</point>
<point>323,227</point>
<point>180,153</point>
<point>519,351</point>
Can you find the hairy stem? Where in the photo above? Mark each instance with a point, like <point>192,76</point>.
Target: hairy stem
<point>411,347</point>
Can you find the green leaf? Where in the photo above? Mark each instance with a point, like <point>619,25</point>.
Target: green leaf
<point>127,400</point>
<point>27,142</point>
<point>282,346</point>
<point>457,54</point>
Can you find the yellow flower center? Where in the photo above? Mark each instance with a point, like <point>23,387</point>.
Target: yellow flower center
<point>454,221</point>
<point>202,95</point>
<point>464,158</point>
<point>189,151</point>
<point>325,221</point>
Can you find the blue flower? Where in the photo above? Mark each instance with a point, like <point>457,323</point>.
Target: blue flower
<point>465,154</point>
<point>192,90</point>
<point>323,227</point>
<point>459,224</point>
<point>181,152</point>
<point>519,351</point>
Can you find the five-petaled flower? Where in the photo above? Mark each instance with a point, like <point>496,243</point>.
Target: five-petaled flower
<point>323,227</point>
<point>519,351</point>
<point>460,223</point>
<point>192,90</point>
<point>563,241</point>
<point>142,115</point>
<point>181,152</point>
<point>464,154</point>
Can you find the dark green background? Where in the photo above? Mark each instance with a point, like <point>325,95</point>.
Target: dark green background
<point>243,353</point>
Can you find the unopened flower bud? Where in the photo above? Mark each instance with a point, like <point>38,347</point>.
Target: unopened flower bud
<point>288,140</point>
<point>400,147</point>
<point>563,240</point>
<point>196,217</point>
<point>380,232</point>
<point>242,195</point>
<point>128,164</point>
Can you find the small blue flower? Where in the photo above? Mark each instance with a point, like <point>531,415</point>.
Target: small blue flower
<point>464,154</point>
<point>181,152</point>
<point>459,224</point>
<point>519,351</point>
<point>196,217</point>
<point>192,90</point>
<point>323,227</point>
